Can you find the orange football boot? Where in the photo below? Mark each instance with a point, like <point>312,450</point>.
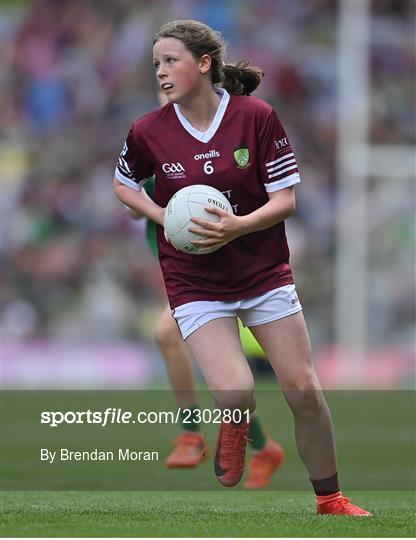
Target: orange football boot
<point>263,464</point>
<point>336,504</point>
<point>190,450</point>
<point>230,455</point>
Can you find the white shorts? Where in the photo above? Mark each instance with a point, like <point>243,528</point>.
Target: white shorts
<point>265,308</point>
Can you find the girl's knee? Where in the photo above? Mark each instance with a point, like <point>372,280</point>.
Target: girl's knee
<point>235,395</point>
<point>305,398</point>
<point>167,333</point>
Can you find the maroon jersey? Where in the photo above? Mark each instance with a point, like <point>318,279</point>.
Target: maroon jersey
<point>245,154</point>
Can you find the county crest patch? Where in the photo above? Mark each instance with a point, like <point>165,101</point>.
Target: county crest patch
<point>242,157</point>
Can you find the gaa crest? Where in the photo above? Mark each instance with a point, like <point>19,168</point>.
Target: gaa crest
<point>242,156</point>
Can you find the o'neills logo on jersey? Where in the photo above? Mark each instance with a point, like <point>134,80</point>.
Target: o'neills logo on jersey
<point>174,171</point>
<point>209,155</point>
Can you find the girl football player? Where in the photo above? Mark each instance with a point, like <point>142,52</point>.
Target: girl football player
<point>249,158</point>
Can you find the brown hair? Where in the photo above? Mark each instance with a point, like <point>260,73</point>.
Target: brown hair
<point>238,79</point>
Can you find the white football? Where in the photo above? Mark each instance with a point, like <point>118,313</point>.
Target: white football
<point>187,203</point>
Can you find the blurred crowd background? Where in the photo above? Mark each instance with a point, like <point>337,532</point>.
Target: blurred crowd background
<point>76,73</point>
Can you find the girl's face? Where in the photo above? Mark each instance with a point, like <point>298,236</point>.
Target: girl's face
<point>179,75</point>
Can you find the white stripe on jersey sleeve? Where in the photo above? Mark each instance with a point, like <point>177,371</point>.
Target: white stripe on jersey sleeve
<point>283,184</point>
<point>281,165</point>
<point>124,168</point>
<point>278,173</point>
<point>278,160</point>
<point>128,181</point>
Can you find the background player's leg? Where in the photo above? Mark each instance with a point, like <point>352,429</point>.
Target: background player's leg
<point>190,447</point>
<point>267,454</point>
<point>178,359</point>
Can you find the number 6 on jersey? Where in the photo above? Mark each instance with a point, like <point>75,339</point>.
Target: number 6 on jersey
<point>208,168</point>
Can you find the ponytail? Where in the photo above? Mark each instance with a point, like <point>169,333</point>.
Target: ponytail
<point>241,79</point>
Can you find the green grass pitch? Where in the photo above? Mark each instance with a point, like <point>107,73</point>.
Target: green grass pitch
<point>375,434</point>
<point>200,514</point>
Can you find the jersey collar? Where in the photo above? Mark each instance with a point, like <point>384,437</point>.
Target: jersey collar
<point>206,136</point>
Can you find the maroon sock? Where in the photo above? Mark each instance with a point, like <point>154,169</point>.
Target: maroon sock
<point>326,486</point>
